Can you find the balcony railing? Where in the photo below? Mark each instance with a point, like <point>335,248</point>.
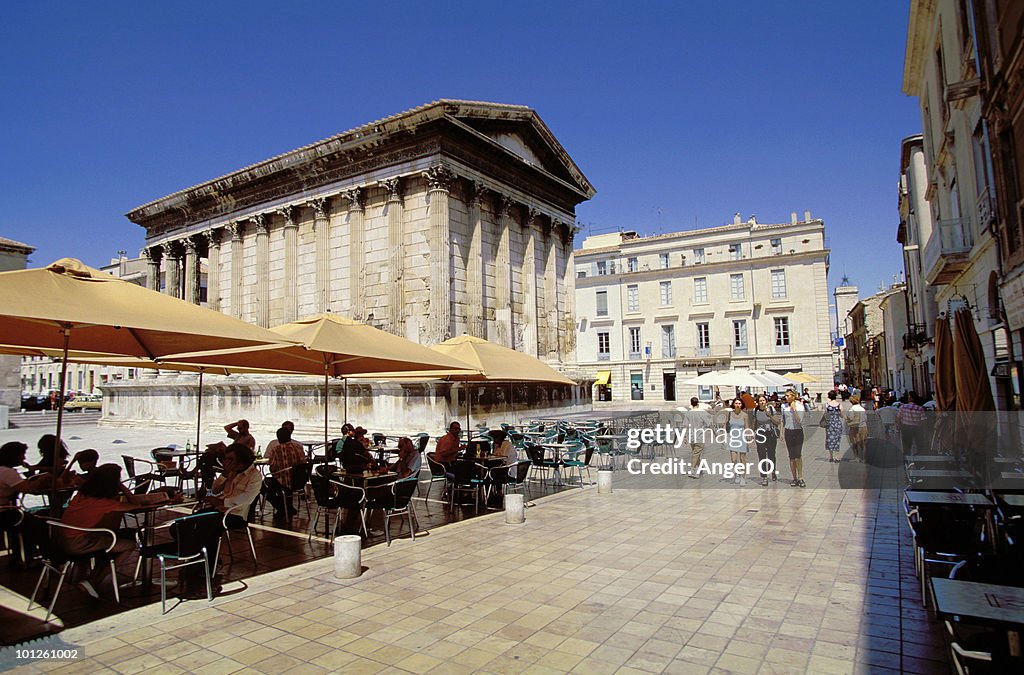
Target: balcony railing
<point>947,251</point>
<point>916,335</point>
<point>712,351</point>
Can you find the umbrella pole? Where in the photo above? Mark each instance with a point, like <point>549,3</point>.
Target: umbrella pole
<point>345,381</point>
<point>325,411</point>
<point>58,443</point>
<point>199,425</point>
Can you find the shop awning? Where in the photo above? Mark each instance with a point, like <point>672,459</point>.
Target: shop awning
<point>603,377</point>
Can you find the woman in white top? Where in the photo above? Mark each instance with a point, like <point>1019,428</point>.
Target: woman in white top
<point>793,430</point>
<point>737,424</point>
<point>857,427</point>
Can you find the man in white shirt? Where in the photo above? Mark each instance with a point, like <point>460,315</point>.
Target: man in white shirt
<point>240,484</point>
<point>698,422</point>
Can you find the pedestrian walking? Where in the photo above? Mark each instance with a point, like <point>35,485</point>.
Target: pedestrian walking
<point>736,428</point>
<point>857,427</point>
<point>833,427</point>
<point>766,420</point>
<point>793,430</point>
<point>909,419</point>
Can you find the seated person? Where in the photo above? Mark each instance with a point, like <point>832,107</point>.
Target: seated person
<point>47,443</point>
<point>86,460</point>
<point>240,484</point>
<point>12,456</point>
<point>355,453</point>
<point>409,459</point>
<point>503,447</point>
<point>239,433</point>
<point>283,453</point>
<point>448,446</point>
<point>98,504</point>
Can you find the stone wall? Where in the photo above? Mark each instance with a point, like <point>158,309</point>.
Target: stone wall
<point>388,407</point>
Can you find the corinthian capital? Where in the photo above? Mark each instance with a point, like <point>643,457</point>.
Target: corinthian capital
<point>288,214</point>
<point>505,204</point>
<point>260,221</point>
<point>532,216</point>
<point>170,250</point>
<point>439,177</point>
<point>152,254</point>
<point>355,198</point>
<point>394,188</point>
<point>476,192</point>
<point>190,245</point>
<point>212,237</point>
<point>319,206</point>
<point>235,228</point>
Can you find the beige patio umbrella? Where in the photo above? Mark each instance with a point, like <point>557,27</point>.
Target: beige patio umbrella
<point>497,364</point>
<point>69,306</point>
<point>334,346</point>
<point>802,378</point>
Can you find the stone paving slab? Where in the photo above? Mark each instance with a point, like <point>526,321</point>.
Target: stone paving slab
<point>657,580</point>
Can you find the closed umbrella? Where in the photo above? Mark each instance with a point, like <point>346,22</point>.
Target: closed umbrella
<point>70,306</point>
<point>974,402</point>
<point>943,438</point>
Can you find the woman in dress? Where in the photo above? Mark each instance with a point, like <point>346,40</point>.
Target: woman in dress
<point>833,427</point>
<point>765,420</point>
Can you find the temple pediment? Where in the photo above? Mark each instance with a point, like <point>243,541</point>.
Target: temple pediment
<point>495,137</point>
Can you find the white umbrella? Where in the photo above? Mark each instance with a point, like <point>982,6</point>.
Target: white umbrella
<point>739,377</point>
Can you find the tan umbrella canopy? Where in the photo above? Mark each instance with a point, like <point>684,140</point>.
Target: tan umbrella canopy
<point>974,402</point>
<point>497,363</point>
<point>70,306</point>
<point>334,346</point>
<point>802,378</point>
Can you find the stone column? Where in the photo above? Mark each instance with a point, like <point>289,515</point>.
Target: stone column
<point>395,317</point>
<point>529,276</point>
<point>321,230</point>
<point>566,302</point>
<point>476,298</point>
<point>439,180</point>
<point>551,292</point>
<point>356,253</point>
<point>262,270</point>
<point>152,255</point>
<point>235,228</point>
<point>191,271</point>
<point>213,269</point>
<point>503,275</point>
<point>291,264</point>
<point>172,258</point>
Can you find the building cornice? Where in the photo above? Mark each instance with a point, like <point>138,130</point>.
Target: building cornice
<point>703,269</point>
<point>919,35</point>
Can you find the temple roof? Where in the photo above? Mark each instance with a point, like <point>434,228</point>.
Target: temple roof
<point>516,129</point>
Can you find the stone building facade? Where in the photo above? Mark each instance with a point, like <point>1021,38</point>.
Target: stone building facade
<point>656,311</point>
<point>13,256</point>
<point>454,217</point>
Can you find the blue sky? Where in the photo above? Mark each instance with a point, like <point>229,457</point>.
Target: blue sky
<point>679,113</point>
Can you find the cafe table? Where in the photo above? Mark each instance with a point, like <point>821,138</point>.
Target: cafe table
<point>937,474</point>
<point>928,459</point>
<point>1016,501</point>
<point>559,449</point>
<point>917,497</point>
<point>987,604</point>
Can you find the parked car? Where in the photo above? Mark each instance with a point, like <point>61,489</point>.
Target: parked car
<point>84,402</point>
<point>35,402</point>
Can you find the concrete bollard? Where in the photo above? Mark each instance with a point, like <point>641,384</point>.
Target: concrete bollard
<point>515,509</point>
<point>348,556</point>
<point>604,482</point>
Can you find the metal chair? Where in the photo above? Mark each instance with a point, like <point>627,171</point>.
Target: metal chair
<point>352,498</point>
<point>191,535</point>
<point>465,477</point>
<point>240,522</point>
<point>325,502</point>
<point>397,501</point>
<point>57,560</point>
<point>437,472</point>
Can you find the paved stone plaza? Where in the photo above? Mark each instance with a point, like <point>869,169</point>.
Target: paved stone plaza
<point>643,580</point>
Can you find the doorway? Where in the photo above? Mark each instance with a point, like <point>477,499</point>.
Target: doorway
<point>669,382</point>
